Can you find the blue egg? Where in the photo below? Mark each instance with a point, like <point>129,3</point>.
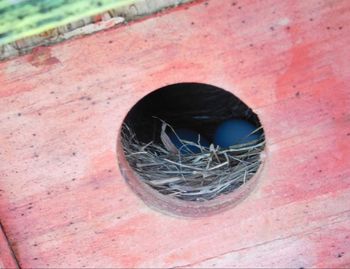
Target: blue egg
<point>188,135</point>
<point>235,131</point>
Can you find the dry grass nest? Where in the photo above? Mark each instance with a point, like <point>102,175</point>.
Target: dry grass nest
<point>194,176</point>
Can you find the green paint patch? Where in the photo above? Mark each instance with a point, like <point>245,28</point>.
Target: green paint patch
<point>20,19</point>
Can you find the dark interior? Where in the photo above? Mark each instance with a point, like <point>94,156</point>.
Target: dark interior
<point>197,106</point>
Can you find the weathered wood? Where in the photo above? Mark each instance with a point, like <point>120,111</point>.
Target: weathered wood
<point>63,201</point>
<point>129,10</point>
<point>7,258</point>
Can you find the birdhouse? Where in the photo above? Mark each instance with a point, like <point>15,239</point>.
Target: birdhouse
<point>175,134</point>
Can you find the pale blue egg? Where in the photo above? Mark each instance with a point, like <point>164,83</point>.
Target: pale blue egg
<point>188,135</point>
<point>235,131</point>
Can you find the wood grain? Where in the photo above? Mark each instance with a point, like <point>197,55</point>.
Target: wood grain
<point>63,201</point>
<point>7,258</point>
<point>122,12</point>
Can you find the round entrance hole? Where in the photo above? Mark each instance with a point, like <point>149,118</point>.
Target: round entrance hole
<point>191,149</point>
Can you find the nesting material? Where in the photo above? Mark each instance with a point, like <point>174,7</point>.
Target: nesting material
<point>194,176</point>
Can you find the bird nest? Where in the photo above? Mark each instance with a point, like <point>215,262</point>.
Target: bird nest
<point>194,176</point>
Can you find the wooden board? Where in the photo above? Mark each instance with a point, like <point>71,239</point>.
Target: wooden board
<point>7,258</point>
<point>63,201</point>
<point>66,26</point>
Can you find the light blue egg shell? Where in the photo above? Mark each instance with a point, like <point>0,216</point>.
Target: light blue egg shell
<point>235,131</point>
<point>188,135</point>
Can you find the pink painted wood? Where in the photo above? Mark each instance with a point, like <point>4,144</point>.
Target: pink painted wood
<point>63,201</point>
<point>7,258</point>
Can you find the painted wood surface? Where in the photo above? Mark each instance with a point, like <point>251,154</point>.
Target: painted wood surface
<point>7,258</point>
<point>122,12</point>
<point>63,201</point>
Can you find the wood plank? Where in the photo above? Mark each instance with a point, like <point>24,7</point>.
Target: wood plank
<point>7,258</point>
<point>64,202</point>
<point>121,13</point>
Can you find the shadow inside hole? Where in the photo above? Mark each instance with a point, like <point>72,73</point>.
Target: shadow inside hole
<point>195,106</point>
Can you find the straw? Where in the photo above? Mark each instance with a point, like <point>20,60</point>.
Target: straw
<point>193,176</point>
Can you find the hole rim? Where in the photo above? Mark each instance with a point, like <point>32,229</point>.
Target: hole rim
<point>173,206</point>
